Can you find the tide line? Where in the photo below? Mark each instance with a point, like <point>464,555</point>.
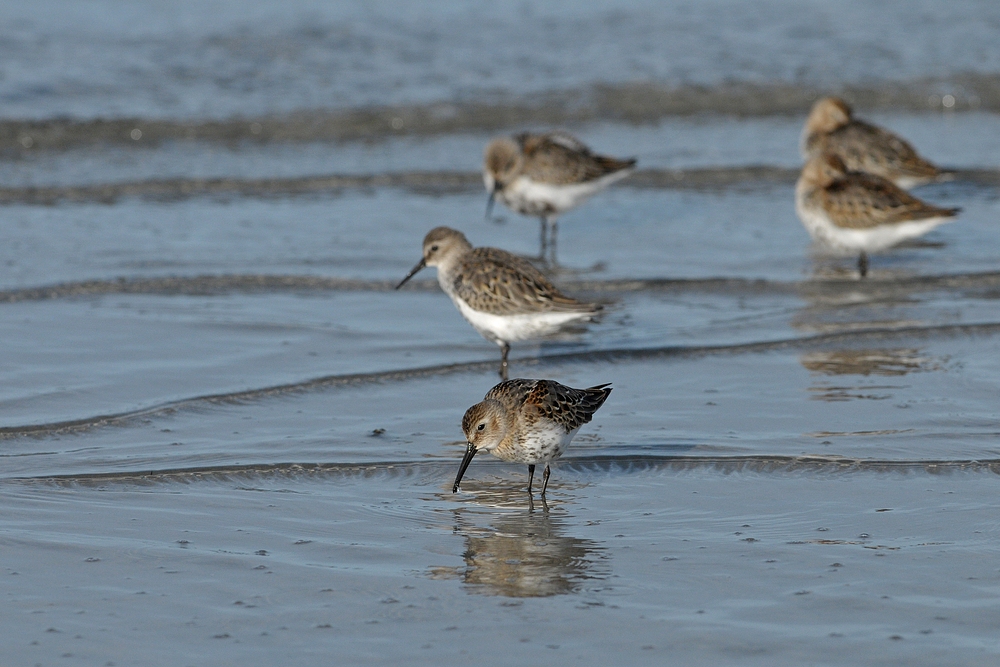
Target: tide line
<point>618,355</point>
<point>636,102</point>
<point>431,182</point>
<point>873,288</point>
<point>608,464</point>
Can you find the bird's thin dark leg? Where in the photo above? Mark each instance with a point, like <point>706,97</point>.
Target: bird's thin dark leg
<point>863,264</point>
<point>531,476</point>
<point>554,230</point>
<point>545,480</point>
<point>504,351</point>
<point>545,237</point>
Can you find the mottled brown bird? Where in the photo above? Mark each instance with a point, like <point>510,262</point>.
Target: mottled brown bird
<point>832,129</point>
<point>860,212</point>
<point>528,421</point>
<point>502,296</point>
<point>546,175</point>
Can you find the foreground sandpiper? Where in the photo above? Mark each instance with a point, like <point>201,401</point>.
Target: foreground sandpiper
<point>831,128</point>
<point>546,175</point>
<point>528,421</point>
<point>502,296</point>
<point>859,212</point>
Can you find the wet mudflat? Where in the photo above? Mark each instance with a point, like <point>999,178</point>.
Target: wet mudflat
<point>225,438</point>
<point>655,562</point>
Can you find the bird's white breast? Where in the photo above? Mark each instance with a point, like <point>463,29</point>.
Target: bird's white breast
<point>510,328</point>
<point>545,441</point>
<point>532,197</point>
<point>872,239</point>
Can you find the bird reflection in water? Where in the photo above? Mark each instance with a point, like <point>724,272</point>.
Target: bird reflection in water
<point>523,554</point>
<point>849,312</point>
<point>883,362</point>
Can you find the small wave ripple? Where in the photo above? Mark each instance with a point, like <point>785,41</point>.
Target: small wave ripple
<point>626,102</point>
<point>861,337</point>
<point>607,464</point>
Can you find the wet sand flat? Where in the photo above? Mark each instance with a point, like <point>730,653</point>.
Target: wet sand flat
<point>382,564</point>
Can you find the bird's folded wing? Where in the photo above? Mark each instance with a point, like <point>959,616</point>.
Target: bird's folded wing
<point>862,201</point>
<point>872,144</point>
<point>572,408</point>
<point>497,282</point>
<point>561,162</point>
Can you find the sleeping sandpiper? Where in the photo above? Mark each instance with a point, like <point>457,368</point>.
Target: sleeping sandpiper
<point>858,212</point>
<point>831,128</point>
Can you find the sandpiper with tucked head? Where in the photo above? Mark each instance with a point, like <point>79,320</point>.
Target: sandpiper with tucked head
<point>831,128</point>
<point>528,421</point>
<point>860,212</point>
<point>502,296</point>
<point>546,175</point>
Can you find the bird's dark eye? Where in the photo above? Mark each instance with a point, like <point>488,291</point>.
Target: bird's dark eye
<point>481,427</point>
<point>434,248</point>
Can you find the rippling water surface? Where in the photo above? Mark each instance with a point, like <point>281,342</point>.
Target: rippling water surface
<point>225,438</point>
<point>212,58</point>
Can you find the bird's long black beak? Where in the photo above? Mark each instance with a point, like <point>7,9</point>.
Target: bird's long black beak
<point>492,200</point>
<point>466,460</point>
<point>421,264</point>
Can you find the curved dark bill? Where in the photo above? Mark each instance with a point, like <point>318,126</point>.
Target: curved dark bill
<point>466,460</point>
<point>421,264</point>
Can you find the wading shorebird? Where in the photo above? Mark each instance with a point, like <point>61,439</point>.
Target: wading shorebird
<point>528,421</point>
<point>502,296</point>
<point>859,212</point>
<point>546,175</point>
<point>831,129</point>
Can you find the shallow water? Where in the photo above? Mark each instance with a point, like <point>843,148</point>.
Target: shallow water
<point>211,58</point>
<point>225,438</point>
